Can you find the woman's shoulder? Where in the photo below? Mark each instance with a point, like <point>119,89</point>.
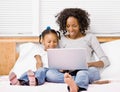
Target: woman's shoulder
<point>89,36</point>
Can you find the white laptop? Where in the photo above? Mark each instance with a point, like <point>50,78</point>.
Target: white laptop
<point>67,59</point>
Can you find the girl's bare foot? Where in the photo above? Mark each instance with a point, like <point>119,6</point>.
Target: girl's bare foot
<point>70,82</point>
<point>13,79</point>
<point>101,82</point>
<point>31,77</point>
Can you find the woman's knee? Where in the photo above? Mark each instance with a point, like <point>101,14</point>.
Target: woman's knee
<point>82,74</point>
<point>94,74</point>
<point>54,76</point>
<point>93,70</point>
<point>81,78</point>
<point>50,75</point>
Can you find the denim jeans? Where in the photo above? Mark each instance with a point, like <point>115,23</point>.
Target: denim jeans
<point>40,75</point>
<point>94,74</point>
<point>81,78</point>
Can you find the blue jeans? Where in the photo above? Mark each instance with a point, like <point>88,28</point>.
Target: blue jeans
<point>93,74</point>
<point>40,75</point>
<point>81,77</point>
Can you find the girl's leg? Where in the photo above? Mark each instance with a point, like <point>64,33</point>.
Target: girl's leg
<point>24,77</point>
<point>13,79</point>
<point>24,80</point>
<point>54,75</point>
<point>40,75</point>
<point>93,74</point>
<point>31,77</point>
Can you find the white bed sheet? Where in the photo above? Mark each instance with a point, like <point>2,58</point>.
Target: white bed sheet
<point>56,87</point>
<point>47,87</point>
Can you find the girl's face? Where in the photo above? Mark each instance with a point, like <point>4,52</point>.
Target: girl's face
<point>50,41</point>
<point>73,28</point>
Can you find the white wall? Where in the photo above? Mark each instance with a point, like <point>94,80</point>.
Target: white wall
<point>19,17</point>
<point>104,14</point>
<point>38,14</point>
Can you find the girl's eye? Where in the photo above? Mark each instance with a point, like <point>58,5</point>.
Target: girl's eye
<point>55,42</point>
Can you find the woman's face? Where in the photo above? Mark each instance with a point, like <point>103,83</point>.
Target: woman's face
<point>50,41</point>
<point>72,27</point>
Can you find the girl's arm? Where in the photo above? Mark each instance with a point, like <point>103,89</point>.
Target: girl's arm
<point>39,61</point>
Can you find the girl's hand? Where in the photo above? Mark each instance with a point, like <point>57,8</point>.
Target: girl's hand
<point>38,61</point>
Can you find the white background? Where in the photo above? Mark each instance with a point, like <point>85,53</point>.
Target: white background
<point>38,14</point>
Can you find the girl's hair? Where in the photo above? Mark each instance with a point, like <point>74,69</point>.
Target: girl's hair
<point>79,14</point>
<point>48,31</point>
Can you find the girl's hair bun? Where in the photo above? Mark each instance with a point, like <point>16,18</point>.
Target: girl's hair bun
<point>48,28</point>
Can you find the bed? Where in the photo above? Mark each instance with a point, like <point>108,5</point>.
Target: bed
<point>112,73</point>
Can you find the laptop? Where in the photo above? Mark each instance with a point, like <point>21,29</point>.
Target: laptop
<point>67,58</point>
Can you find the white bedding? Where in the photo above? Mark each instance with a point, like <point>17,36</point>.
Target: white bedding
<point>47,87</point>
<point>56,87</point>
<point>112,50</point>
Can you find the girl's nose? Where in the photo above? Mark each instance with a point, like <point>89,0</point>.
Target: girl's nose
<point>52,45</point>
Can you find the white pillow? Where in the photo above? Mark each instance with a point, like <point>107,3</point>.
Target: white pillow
<point>25,48</point>
<point>26,58</point>
<point>112,50</point>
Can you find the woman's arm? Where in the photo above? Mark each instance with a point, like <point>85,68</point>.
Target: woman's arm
<point>103,59</point>
<point>39,61</point>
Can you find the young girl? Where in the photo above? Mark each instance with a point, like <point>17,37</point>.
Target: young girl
<point>74,23</point>
<point>49,39</point>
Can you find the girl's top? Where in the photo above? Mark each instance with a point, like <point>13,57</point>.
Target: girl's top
<point>39,50</point>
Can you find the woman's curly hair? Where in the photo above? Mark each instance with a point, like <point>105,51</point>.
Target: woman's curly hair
<point>81,15</point>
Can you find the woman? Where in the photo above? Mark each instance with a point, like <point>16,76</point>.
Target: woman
<point>74,23</point>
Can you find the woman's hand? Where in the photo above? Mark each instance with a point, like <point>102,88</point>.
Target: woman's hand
<point>98,64</point>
